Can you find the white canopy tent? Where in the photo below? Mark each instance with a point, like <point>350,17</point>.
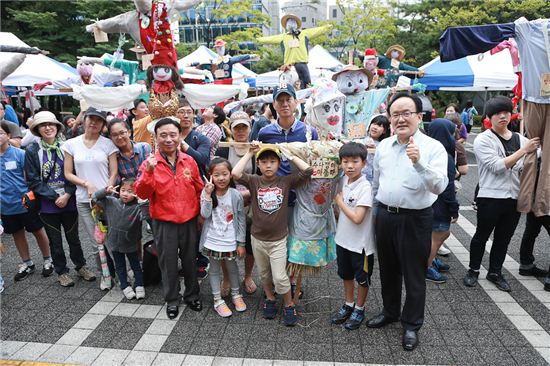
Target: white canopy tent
<point>204,55</point>
<point>35,68</point>
<point>319,60</point>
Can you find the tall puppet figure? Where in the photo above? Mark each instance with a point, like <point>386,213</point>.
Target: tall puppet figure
<point>532,38</point>
<point>162,76</point>
<point>393,66</point>
<point>222,66</point>
<point>294,44</point>
<point>140,23</point>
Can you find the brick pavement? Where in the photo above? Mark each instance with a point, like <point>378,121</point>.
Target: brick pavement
<point>83,325</point>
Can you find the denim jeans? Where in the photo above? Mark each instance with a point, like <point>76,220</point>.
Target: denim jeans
<point>120,266</point>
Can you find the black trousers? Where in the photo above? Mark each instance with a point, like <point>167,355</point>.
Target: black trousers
<point>303,74</point>
<point>173,241</point>
<point>533,225</point>
<point>498,215</point>
<point>69,221</point>
<point>404,242</point>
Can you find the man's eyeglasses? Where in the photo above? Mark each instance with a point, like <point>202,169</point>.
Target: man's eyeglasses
<point>405,115</point>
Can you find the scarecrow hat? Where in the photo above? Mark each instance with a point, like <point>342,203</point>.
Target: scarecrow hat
<point>396,47</point>
<point>349,68</point>
<point>286,17</point>
<point>370,53</point>
<point>219,43</point>
<point>164,52</point>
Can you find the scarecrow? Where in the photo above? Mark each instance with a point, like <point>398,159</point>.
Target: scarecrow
<point>294,44</point>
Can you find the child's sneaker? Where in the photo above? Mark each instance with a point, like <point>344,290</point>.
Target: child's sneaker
<point>239,303</point>
<point>47,268</point>
<point>129,293</point>
<point>140,292</point>
<point>290,318</point>
<point>355,320</point>
<point>342,315</point>
<point>24,271</point>
<point>270,310</point>
<point>222,309</point>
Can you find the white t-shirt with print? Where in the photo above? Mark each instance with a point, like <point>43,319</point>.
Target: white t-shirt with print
<point>350,236</point>
<point>92,165</point>
<point>221,235</point>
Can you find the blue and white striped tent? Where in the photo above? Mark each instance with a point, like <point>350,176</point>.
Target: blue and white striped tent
<point>471,73</point>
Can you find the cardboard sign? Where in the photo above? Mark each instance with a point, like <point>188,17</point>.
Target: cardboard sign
<point>545,85</point>
<point>100,36</point>
<point>293,43</point>
<point>395,63</point>
<point>146,61</point>
<point>356,131</point>
<point>324,168</point>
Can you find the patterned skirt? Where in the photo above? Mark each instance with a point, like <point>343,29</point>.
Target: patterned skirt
<point>310,256</point>
<point>213,254</point>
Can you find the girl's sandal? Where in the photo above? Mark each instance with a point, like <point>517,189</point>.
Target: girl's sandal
<point>249,286</point>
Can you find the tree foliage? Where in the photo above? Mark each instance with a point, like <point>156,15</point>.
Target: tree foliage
<point>59,26</point>
<point>365,23</point>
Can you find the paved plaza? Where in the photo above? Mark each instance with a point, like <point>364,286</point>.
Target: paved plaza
<point>42,321</point>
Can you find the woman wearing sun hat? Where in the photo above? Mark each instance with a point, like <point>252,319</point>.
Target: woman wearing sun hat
<point>44,168</point>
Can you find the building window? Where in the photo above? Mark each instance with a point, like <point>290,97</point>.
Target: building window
<point>312,20</point>
<point>334,13</point>
<point>304,19</point>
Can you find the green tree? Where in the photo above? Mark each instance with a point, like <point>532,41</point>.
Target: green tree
<point>59,26</point>
<point>365,23</point>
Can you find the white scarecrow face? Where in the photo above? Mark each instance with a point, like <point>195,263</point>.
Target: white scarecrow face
<point>291,25</point>
<point>330,116</point>
<point>395,54</point>
<point>289,77</point>
<point>370,63</point>
<point>352,82</point>
<point>84,69</point>
<point>162,73</point>
<point>220,50</point>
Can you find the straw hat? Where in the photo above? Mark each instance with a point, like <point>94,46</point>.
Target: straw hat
<point>348,68</point>
<point>45,117</point>
<point>285,19</point>
<point>396,47</point>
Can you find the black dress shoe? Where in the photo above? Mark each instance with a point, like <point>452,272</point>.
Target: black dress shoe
<point>195,305</point>
<point>410,340</point>
<point>379,321</point>
<point>533,271</point>
<point>172,311</point>
<point>499,281</point>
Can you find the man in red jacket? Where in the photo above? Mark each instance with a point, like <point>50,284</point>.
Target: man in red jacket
<point>171,181</point>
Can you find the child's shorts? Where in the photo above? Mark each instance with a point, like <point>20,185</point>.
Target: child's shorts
<point>28,221</point>
<point>441,226</point>
<point>354,266</point>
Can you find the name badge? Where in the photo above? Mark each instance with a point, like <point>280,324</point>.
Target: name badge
<point>395,63</point>
<point>10,165</point>
<point>545,85</point>
<point>218,74</point>
<point>294,43</point>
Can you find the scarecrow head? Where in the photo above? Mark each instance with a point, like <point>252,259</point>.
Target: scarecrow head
<point>370,62</point>
<point>352,79</point>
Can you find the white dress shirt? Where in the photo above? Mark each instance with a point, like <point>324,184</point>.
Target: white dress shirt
<point>398,182</point>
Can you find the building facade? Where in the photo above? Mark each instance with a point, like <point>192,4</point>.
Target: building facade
<point>200,26</point>
<point>310,11</point>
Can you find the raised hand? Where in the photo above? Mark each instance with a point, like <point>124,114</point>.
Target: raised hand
<point>151,163</point>
<point>208,185</point>
<point>413,152</point>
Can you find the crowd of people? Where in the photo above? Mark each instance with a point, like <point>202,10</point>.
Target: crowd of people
<point>209,205</point>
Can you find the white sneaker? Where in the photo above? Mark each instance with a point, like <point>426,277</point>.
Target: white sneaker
<point>443,250</point>
<point>129,293</point>
<point>140,292</point>
<point>105,283</point>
